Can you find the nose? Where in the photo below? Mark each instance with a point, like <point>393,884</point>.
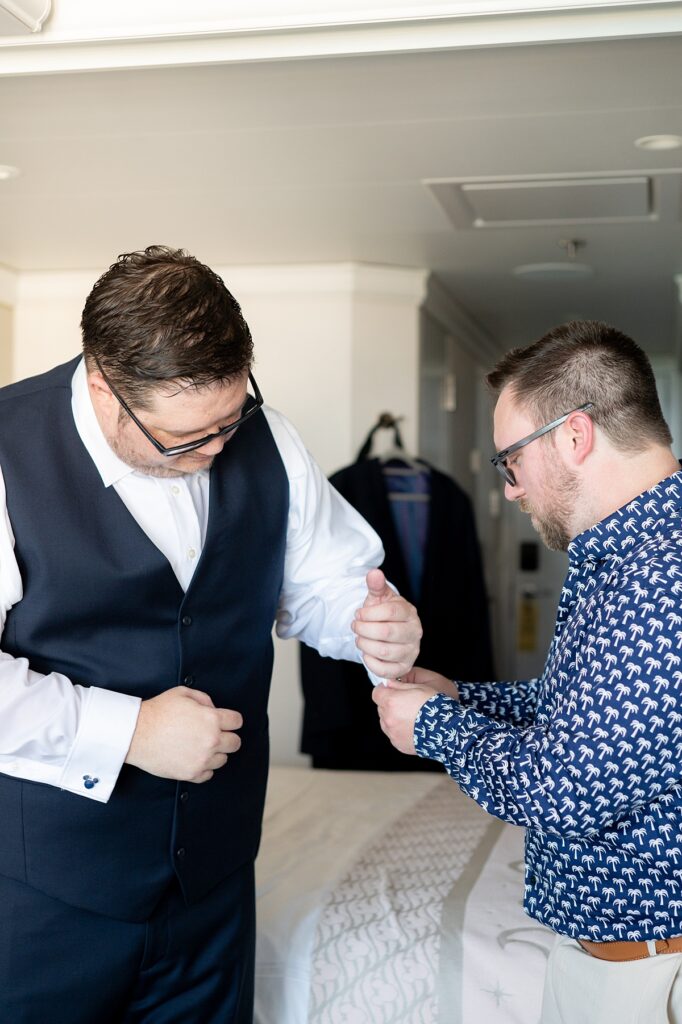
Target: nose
<point>513,492</point>
<point>215,446</point>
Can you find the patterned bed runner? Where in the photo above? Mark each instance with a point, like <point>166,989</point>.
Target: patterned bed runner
<point>376,956</point>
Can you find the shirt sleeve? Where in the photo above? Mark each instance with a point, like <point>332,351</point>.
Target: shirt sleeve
<point>52,731</point>
<point>512,702</point>
<point>610,743</point>
<point>329,551</point>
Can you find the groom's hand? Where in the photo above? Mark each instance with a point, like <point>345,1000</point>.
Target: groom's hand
<point>387,629</point>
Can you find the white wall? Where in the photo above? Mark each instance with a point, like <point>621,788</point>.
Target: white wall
<point>47,318</point>
<point>385,351</point>
<point>6,338</point>
<point>7,303</point>
<point>334,345</point>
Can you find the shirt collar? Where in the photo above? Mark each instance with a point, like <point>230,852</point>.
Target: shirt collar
<point>109,466</point>
<point>627,526</point>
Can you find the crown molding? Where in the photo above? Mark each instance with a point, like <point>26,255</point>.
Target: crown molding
<point>82,36</point>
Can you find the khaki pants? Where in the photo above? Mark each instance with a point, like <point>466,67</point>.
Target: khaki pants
<point>579,989</point>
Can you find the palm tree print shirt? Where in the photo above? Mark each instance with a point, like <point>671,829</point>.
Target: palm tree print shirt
<point>588,758</point>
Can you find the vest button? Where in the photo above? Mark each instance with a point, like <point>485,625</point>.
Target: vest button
<point>188,680</point>
<point>184,796</point>
<point>187,620</point>
<point>180,854</point>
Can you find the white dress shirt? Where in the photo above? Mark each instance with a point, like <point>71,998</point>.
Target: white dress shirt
<point>55,732</point>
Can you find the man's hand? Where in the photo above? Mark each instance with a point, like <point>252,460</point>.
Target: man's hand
<point>399,704</point>
<point>387,629</point>
<point>431,680</point>
<point>181,735</point>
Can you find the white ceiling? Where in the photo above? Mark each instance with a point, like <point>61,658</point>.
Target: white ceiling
<point>323,160</point>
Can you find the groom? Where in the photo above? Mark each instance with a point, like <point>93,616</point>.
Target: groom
<point>155,519</point>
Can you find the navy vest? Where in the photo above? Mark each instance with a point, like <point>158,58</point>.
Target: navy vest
<point>102,605</point>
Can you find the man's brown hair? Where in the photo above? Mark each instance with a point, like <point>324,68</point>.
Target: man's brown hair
<point>587,361</point>
<point>157,316</point>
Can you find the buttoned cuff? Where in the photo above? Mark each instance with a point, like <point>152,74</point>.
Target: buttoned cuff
<point>106,728</point>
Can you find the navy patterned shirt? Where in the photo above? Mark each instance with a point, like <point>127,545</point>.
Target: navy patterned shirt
<point>589,756</point>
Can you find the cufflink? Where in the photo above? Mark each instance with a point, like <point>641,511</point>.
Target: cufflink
<point>89,782</point>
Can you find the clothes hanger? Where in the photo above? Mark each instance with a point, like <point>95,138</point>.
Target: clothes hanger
<point>396,453</point>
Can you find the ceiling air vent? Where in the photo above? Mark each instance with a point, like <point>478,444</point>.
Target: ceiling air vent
<point>548,199</point>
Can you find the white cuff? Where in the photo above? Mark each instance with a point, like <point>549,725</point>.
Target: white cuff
<point>106,728</point>
<point>376,680</point>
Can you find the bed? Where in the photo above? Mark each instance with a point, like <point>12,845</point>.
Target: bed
<point>391,899</point>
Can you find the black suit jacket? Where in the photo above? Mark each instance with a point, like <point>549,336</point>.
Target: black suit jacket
<point>340,722</point>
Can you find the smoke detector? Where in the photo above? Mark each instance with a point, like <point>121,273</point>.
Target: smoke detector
<point>566,270</point>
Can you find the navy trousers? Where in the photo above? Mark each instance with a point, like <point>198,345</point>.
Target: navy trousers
<point>62,965</point>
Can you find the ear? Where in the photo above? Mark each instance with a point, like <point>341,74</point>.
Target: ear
<point>97,383</point>
<point>101,395</point>
<point>579,436</point>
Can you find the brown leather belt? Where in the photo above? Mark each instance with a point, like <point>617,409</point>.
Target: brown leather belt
<point>619,952</point>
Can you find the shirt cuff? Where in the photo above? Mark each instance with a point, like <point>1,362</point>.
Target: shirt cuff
<point>435,726</point>
<point>103,739</point>
<point>375,680</point>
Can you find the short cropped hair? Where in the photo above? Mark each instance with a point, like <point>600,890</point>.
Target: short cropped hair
<point>157,316</point>
<point>587,361</point>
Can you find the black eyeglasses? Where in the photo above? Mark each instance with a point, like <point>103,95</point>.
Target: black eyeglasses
<point>499,460</point>
<point>252,405</point>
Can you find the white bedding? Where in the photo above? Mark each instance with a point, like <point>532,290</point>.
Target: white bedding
<point>390,898</point>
